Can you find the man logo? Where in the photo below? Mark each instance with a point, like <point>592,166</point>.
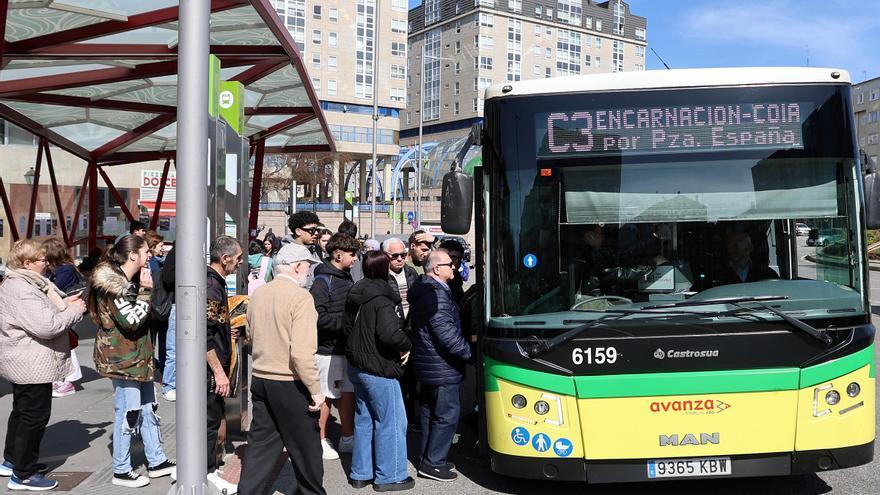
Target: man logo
<point>659,354</point>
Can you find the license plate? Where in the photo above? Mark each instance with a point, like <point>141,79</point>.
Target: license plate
<point>676,468</point>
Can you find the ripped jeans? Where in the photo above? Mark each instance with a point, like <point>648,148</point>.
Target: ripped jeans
<point>135,406</point>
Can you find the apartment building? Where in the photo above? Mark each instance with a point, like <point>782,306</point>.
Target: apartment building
<point>866,105</point>
<point>471,44</point>
<point>337,44</point>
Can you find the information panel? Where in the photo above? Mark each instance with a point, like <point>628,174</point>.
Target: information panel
<point>721,127</point>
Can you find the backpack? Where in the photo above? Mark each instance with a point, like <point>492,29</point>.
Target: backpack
<point>257,278</point>
<point>160,299</point>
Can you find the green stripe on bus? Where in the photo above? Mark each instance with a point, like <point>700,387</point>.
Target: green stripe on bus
<point>545,381</point>
<point>839,367</point>
<point>686,383</point>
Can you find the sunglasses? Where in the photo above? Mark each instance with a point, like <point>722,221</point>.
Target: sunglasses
<point>397,256</point>
<point>311,231</point>
<point>450,264</point>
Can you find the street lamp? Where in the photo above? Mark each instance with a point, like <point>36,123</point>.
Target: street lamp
<point>29,176</point>
<point>421,113</point>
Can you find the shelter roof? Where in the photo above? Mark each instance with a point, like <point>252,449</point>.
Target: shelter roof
<point>98,78</point>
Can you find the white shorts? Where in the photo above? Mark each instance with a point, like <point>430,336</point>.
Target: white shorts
<point>334,375</point>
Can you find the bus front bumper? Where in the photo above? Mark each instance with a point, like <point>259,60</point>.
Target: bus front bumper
<point>632,470</point>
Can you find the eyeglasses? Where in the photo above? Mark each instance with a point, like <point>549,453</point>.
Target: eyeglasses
<point>450,264</point>
<point>312,230</point>
<point>397,256</point>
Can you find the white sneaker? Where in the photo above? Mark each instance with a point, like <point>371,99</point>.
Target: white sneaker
<point>131,479</point>
<point>346,444</point>
<point>329,452</point>
<point>221,484</point>
<point>170,395</point>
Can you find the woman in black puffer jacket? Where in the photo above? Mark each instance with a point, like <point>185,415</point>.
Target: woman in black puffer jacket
<point>377,349</point>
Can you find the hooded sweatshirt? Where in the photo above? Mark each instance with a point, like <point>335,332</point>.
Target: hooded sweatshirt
<point>374,324</point>
<point>123,348</point>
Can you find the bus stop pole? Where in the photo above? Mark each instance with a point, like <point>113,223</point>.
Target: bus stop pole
<point>191,274</point>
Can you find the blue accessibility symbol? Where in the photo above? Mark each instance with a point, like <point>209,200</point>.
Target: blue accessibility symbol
<point>530,261</point>
<point>541,442</point>
<point>562,447</point>
<point>520,435</point>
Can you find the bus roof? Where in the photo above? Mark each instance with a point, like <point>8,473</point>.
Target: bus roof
<point>671,79</point>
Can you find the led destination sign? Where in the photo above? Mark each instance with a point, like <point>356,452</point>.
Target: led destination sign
<point>743,126</point>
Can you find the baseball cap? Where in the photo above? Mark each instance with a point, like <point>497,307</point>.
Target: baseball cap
<point>292,253</point>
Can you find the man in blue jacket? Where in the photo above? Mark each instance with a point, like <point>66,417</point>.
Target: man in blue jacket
<point>439,354</point>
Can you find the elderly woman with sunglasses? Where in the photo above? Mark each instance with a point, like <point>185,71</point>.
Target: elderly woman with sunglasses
<point>34,352</point>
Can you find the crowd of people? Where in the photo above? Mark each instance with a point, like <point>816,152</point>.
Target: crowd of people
<point>331,320</point>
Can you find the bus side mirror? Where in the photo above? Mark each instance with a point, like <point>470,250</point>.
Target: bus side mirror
<point>457,203</point>
<point>872,201</point>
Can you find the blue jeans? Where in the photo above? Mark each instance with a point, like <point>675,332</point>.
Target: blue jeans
<point>441,406</point>
<point>135,406</point>
<point>169,374</point>
<point>379,429</point>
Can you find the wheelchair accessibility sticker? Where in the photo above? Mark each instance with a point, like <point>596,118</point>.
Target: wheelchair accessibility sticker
<point>520,435</point>
<point>541,442</point>
<point>562,447</point>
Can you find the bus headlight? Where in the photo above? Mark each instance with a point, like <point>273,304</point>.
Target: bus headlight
<point>541,407</point>
<point>832,397</point>
<point>853,389</point>
<point>518,401</point>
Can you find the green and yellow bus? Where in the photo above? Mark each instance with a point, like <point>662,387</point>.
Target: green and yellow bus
<point>645,308</point>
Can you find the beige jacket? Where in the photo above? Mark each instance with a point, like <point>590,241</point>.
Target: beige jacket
<point>284,331</point>
<point>34,345</point>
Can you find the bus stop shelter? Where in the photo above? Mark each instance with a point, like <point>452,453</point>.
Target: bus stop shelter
<point>98,79</point>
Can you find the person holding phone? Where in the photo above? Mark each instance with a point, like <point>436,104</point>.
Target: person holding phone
<point>285,385</point>
<point>64,274</point>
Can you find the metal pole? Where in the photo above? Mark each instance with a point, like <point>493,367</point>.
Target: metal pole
<point>192,177</point>
<point>419,163</point>
<point>373,188</point>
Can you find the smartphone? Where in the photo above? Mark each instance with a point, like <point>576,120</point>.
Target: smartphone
<point>75,292</point>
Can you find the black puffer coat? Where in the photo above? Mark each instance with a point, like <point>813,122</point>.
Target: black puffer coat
<point>374,325</point>
<point>439,347</point>
<point>330,290</point>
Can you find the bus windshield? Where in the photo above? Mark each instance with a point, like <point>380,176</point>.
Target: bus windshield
<point>624,200</point>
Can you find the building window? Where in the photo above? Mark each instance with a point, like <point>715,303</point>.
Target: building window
<point>399,5</point>
<point>316,83</point>
<point>863,119</point>
<point>549,12</point>
<point>398,71</point>
<point>398,94</point>
<point>547,72</point>
<point>860,98</point>
<point>875,94</point>
<point>538,30</point>
<point>873,139</point>
<point>431,71</point>
<point>640,51</point>
<point>548,53</point>
<point>537,70</point>
<point>536,50</point>
<point>432,11</point>
<point>476,62</point>
<point>587,61</point>
<point>365,51</point>
<point>457,7</point>
<point>316,36</point>
<point>639,67</point>
<point>640,34</point>
<point>398,49</point>
<point>514,50</point>
<point>617,56</point>
<point>598,24</point>
<point>588,22</point>
<point>295,20</point>
<point>455,108</point>
<point>333,15</point>
<point>486,3</point>
<point>331,62</point>
<point>598,62</point>
<point>457,46</point>
<point>549,32</point>
<point>486,20</point>
<point>316,12</point>
<point>538,11</point>
<point>484,41</point>
<point>598,42</point>
<point>316,60</point>
<point>476,84</point>
<point>398,26</point>
<point>873,116</point>
<point>568,52</point>
<point>485,83</point>
<point>331,87</point>
<point>515,5</point>
<point>332,40</point>
<point>619,17</point>
<point>588,40</point>
<point>486,63</point>
<point>456,88</point>
<point>458,67</point>
<point>569,11</point>
<point>409,117</point>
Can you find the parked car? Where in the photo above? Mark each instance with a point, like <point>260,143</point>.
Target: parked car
<point>802,229</point>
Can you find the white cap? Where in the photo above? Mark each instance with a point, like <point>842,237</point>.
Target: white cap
<point>292,253</point>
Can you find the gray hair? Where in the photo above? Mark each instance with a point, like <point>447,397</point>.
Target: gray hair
<point>223,245</point>
<point>387,243</point>
<point>432,260</point>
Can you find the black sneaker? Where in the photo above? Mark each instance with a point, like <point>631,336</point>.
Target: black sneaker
<point>450,466</point>
<point>131,479</point>
<point>399,486</point>
<point>168,467</point>
<point>359,483</point>
<point>439,473</point>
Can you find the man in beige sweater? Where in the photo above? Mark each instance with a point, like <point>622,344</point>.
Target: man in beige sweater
<point>286,390</point>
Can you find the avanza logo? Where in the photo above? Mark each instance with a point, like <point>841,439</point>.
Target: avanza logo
<point>690,406</point>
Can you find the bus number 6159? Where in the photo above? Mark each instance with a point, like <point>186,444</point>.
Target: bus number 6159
<point>598,355</point>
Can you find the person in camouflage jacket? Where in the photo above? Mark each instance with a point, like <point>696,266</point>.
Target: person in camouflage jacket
<point>119,302</point>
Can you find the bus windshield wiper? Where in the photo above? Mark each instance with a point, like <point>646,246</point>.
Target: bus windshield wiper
<point>541,347</point>
<point>821,335</point>
<point>717,300</point>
